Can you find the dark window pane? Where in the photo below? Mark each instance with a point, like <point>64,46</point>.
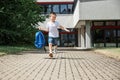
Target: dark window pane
<point>98,35</point>
<point>70,8</point>
<point>110,35</point>
<point>118,36</point>
<point>47,8</point>
<point>110,23</point>
<point>118,23</point>
<point>98,23</point>
<point>119,33</point>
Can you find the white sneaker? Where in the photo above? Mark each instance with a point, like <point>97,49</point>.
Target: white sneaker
<point>55,51</point>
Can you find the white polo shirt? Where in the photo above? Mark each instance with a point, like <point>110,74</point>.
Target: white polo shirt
<point>53,28</point>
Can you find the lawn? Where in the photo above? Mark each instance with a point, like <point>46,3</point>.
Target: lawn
<point>14,49</point>
<point>111,50</point>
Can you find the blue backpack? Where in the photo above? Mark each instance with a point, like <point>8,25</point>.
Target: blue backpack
<point>39,40</point>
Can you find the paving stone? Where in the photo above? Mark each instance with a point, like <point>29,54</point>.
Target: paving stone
<point>65,65</point>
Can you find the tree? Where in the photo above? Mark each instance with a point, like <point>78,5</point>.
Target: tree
<point>17,18</point>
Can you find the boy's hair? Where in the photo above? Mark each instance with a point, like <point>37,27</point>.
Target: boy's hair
<point>53,13</point>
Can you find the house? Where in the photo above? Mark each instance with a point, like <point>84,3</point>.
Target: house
<point>93,23</point>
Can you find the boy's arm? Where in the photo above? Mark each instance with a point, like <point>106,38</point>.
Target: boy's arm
<point>43,29</point>
<point>63,28</point>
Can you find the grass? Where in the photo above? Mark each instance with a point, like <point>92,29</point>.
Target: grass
<point>111,50</point>
<point>14,49</point>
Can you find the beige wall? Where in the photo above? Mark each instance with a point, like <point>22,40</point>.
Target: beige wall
<point>95,10</point>
<point>65,20</point>
<point>100,10</point>
<point>76,15</point>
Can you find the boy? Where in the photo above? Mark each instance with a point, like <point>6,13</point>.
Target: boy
<point>52,28</point>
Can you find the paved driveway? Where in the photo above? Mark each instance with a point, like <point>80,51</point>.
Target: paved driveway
<point>66,65</point>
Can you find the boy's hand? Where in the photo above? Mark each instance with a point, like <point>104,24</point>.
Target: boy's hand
<point>63,28</point>
<point>67,30</point>
<point>39,28</point>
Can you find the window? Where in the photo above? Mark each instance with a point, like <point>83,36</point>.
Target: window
<point>98,35</point>
<point>110,35</point>
<point>118,33</point>
<point>68,39</point>
<point>110,23</point>
<point>63,9</point>
<point>47,8</point>
<point>98,23</point>
<point>56,8</point>
<point>70,8</point>
<point>118,36</point>
<point>118,23</point>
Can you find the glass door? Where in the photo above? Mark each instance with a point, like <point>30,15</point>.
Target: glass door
<point>68,40</point>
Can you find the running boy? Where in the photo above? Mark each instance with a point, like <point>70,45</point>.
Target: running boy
<point>52,28</point>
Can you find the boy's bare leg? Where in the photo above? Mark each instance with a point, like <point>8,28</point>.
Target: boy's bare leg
<point>50,50</point>
<point>50,47</point>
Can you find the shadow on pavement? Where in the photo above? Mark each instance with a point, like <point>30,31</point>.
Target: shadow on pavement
<point>64,58</point>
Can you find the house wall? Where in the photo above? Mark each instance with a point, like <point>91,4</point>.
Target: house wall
<point>65,20</point>
<point>76,14</point>
<point>100,10</point>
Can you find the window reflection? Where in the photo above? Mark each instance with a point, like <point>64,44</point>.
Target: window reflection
<point>68,39</point>
<point>63,9</point>
<point>70,8</point>
<point>47,8</point>
<point>56,8</point>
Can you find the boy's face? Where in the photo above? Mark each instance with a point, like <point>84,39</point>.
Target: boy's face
<point>52,17</point>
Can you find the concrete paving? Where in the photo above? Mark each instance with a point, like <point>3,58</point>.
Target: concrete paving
<point>66,65</point>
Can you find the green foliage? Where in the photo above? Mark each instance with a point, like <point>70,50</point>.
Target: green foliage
<point>17,21</point>
<point>8,36</point>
